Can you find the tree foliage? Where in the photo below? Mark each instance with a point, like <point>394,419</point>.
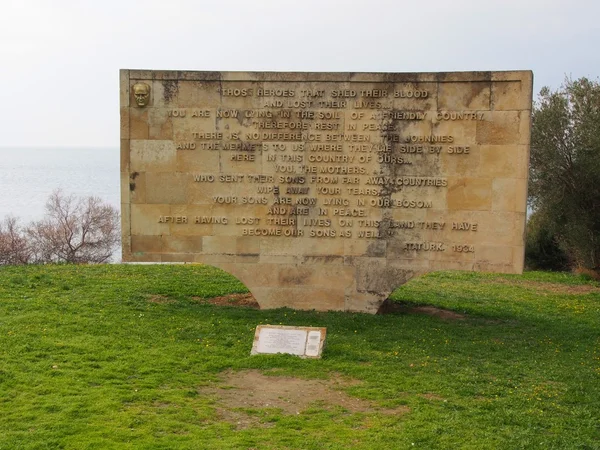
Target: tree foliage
<point>73,230</point>
<point>543,251</point>
<point>564,187</point>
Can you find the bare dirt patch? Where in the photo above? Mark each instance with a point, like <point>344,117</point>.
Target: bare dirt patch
<point>402,308</point>
<point>160,299</point>
<point>554,288</point>
<point>246,300</point>
<point>254,390</point>
<point>445,314</point>
<point>431,396</point>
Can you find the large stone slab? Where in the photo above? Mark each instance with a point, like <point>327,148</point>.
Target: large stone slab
<point>326,190</point>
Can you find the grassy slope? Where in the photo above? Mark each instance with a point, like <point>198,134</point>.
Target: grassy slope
<point>88,361</point>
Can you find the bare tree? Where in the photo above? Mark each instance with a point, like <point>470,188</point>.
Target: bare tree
<point>14,247</point>
<point>75,230</point>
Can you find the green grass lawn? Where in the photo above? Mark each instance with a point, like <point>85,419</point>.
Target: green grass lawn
<point>120,356</point>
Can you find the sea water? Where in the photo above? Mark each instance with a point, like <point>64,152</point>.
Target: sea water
<point>29,175</point>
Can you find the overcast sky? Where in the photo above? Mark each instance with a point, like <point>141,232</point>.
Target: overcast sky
<point>60,60</point>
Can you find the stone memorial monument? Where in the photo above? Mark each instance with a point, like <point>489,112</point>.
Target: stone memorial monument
<point>325,190</point>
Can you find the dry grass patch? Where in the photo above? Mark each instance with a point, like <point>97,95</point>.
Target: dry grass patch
<point>160,299</point>
<point>251,389</point>
<point>246,300</point>
<point>433,311</point>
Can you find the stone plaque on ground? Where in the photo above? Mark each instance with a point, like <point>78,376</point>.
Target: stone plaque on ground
<point>306,342</point>
<point>326,190</point>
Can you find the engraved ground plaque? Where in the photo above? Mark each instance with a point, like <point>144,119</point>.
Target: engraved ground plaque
<point>326,190</point>
<point>306,342</point>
